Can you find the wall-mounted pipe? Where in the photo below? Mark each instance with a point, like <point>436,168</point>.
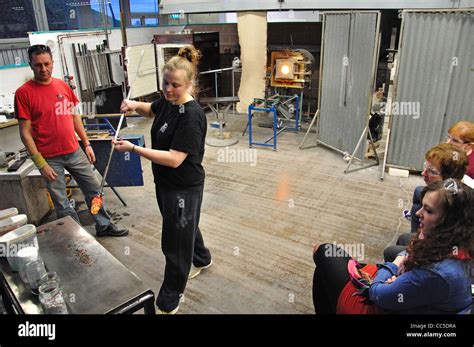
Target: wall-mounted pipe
<point>61,37</point>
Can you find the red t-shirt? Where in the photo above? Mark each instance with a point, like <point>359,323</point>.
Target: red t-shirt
<point>470,167</point>
<point>49,109</point>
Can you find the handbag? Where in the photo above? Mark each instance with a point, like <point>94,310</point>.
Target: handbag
<point>359,278</point>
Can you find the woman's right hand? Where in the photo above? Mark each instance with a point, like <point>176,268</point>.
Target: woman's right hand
<point>128,106</point>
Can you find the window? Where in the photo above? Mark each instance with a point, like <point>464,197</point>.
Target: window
<point>81,14</point>
<point>150,22</point>
<point>144,12</point>
<point>17,18</point>
<point>112,10</point>
<point>144,6</point>
<point>136,22</point>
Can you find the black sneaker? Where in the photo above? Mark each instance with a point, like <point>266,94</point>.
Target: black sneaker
<point>112,230</point>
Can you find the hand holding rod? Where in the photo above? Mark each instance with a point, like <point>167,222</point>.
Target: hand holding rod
<point>120,124</point>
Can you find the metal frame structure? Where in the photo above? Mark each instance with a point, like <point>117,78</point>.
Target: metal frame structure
<point>274,137</point>
<point>273,102</point>
<point>40,15</point>
<point>107,125</point>
<point>317,117</point>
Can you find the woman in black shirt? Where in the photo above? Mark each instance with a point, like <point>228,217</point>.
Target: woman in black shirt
<point>178,134</point>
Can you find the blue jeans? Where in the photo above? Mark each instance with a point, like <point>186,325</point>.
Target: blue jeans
<point>417,203</point>
<point>80,169</point>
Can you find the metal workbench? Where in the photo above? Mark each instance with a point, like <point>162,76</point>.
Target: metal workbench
<point>93,280</point>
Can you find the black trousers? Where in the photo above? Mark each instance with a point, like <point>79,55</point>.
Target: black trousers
<point>391,252</point>
<point>181,241</point>
<point>330,277</point>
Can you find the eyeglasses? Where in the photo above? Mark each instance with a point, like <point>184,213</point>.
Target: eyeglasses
<point>38,49</point>
<point>451,186</point>
<point>430,170</point>
<point>451,139</point>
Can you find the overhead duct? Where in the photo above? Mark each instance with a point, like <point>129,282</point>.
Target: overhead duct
<point>197,6</point>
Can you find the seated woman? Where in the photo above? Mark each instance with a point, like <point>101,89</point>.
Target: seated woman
<point>433,277</point>
<point>461,135</point>
<point>441,162</point>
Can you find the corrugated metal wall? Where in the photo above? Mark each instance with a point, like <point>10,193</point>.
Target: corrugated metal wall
<point>435,85</point>
<point>13,56</point>
<point>350,41</point>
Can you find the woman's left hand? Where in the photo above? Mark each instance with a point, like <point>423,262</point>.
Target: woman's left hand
<point>123,146</point>
<point>391,279</point>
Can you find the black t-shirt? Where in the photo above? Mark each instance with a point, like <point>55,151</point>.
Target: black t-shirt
<point>181,128</point>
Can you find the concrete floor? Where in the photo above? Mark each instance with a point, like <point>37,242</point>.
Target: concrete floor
<point>261,222</point>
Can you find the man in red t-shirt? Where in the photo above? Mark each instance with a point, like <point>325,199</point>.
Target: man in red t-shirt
<point>44,107</point>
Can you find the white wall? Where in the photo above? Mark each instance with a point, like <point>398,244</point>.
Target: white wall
<point>293,16</point>
<point>203,18</point>
<point>10,80</point>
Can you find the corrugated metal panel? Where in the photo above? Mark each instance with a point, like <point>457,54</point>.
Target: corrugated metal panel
<point>461,94</point>
<point>9,56</point>
<point>347,76</point>
<point>432,92</point>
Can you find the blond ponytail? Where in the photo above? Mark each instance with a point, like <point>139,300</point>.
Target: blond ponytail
<point>191,54</point>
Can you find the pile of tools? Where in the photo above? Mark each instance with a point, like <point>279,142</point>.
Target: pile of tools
<point>94,70</point>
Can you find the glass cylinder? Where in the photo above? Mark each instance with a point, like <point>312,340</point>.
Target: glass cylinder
<point>51,276</point>
<point>51,298</point>
<point>34,271</point>
<point>24,256</point>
